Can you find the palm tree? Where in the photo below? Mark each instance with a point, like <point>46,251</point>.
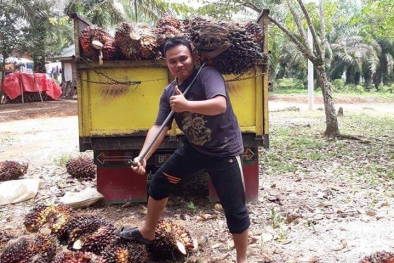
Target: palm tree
<point>384,72</point>
<point>356,57</point>
<point>100,13</point>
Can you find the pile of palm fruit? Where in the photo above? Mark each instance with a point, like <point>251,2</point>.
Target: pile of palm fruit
<point>136,41</point>
<point>11,170</point>
<point>242,50</point>
<point>379,257</point>
<point>88,35</point>
<point>81,167</point>
<point>232,48</point>
<point>57,234</point>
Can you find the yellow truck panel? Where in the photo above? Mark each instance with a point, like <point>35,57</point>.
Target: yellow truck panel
<point>121,109</point>
<point>109,109</point>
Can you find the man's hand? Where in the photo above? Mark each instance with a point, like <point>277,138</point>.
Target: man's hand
<point>178,102</point>
<point>139,166</point>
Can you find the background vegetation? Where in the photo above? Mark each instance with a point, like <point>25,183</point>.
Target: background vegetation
<point>360,50</point>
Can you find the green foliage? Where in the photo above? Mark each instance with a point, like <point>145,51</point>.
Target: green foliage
<point>191,206</point>
<point>100,13</point>
<point>337,85</point>
<point>10,34</point>
<point>62,159</point>
<point>289,83</point>
<point>387,89</point>
<point>377,18</point>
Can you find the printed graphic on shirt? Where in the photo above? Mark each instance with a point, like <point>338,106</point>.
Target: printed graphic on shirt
<point>194,127</point>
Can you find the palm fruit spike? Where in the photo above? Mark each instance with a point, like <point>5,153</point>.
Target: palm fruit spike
<point>44,247</point>
<point>379,257</point>
<point>256,30</point>
<point>96,241</point>
<point>52,216</point>
<point>16,251</point>
<point>90,233</point>
<point>58,217</point>
<point>10,170</point>
<point>136,41</point>
<point>168,20</point>
<point>166,27</point>
<point>81,167</point>
<point>36,218</point>
<point>4,238</point>
<point>32,248</point>
<point>78,257</point>
<point>171,241</point>
<point>242,48</point>
<point>120,251</point>
<point>94,33</point>
<point>74,222</point>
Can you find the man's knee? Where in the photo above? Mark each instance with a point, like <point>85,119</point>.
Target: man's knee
<point>238,222</point>
<point>159,187</point>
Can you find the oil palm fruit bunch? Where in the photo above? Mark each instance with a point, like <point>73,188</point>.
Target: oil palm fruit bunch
<point>81,167</point>
<point>120,251</point>
<point>4,238</point>
<point>89,233</point>
<point>136,41</point>
<point>36,218</point>
<point>78,257</point>
<point>58,217</point>
<point>171,241</point>
<point>167,27</point>
<point>94,33</point>
<point>50,217</point>
<point>11,170</point>
<point>34,248</point>
<point>240,50</point>
<point>256,30</point>
<point>379,257</point>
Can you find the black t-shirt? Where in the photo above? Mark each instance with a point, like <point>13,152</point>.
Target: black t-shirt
<point>217,135</point>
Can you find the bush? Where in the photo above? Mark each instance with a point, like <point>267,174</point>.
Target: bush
<point>290,84</point>
<point>359,89</point>
<point>338,85</point>
<point>387,89</point>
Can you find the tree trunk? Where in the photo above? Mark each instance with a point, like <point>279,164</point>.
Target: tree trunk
<point>332,129</point>
<point>377,78</point>
<point>2,92</point>
<point>348,76</point>
<point>357,78</point>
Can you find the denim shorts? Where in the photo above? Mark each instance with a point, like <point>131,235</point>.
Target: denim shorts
<point>226,176</point>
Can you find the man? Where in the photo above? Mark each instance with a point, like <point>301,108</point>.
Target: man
<point>213,142</point>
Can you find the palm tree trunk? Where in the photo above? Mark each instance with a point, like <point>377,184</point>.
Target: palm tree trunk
<point>135,11</point>
<point>332,129</point>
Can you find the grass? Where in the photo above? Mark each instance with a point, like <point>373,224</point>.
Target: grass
<point>296,147</point>
<point>62,159</point>
<point>347,94</point>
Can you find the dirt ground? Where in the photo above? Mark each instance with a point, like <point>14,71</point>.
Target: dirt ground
<point>42,133</point>
<point>63,108</point>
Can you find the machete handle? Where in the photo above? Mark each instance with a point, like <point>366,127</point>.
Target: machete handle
<point>133,163</point>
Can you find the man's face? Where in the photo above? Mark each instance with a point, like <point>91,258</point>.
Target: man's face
<point>180,62</point>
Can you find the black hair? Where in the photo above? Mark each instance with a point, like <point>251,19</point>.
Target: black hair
<point>176,41</point>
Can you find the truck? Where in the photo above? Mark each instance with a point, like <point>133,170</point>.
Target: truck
<point>117,105</point>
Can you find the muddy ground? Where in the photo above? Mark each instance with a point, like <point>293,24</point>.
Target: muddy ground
<point>42,133</point>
